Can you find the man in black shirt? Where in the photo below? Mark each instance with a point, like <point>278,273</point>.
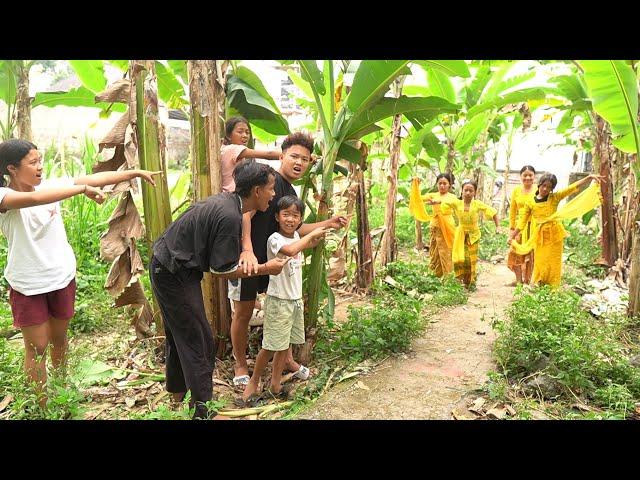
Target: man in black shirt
<point>256,229</point>
<point>205,238</point>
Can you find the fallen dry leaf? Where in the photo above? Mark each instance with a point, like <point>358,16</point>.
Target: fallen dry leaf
<point>130,401</point>
<point>362,386</point>
<point>5,402</point>
<point>477,406</point>
<point>497,413</point>
<point>510,410</point>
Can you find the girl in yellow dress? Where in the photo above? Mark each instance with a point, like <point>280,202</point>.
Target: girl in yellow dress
<point>467,234</point>
<point>442,226</point>
<point>547,237</point>
<point>521,265</point>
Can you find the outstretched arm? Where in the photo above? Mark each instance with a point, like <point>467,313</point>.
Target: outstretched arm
<point>336,222</point>
<point>15,200</point>
<point>266,154</point>
<point>574,186</point>
<point>111,178</point>
<point>308,241</point>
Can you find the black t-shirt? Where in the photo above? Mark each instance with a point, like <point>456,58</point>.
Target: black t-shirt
<point>263,224</point>
<point>206,237</point>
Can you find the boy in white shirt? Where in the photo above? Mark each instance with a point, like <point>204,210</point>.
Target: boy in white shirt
<point>283,307</point>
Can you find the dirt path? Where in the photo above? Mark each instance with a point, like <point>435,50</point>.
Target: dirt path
<point>450,360</point>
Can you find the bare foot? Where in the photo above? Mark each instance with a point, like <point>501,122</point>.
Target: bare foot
<point>292,366</point>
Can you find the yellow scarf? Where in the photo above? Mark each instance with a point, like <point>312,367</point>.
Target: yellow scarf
<point>582,203</point>
<point>416,207</point>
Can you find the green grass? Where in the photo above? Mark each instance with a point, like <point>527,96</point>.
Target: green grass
<point>586,356</point>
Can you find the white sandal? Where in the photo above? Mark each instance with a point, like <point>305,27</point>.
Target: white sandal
<point>302,373</point>
<point>241,380</point>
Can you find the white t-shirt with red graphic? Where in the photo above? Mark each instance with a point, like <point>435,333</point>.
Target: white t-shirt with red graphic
<point>288,284</point>
<point>39,258</point>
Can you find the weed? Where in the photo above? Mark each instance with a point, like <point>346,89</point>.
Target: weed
<point>548,330</point>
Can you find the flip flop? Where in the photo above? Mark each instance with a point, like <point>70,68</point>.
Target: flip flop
<point>241,380</point>
<point>253,401</point>
<point>283,394</point>
<point>302,373</point>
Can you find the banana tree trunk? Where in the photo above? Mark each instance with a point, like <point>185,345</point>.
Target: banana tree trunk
<point>634,278</point>
<point>23,102</point>
<point>365,269</point>
<point>451,156</point>
<point>507,170</point>
<point>419,240</point>
<point>389,241</point>
<point>317,260</point>
<point>631,206</point>
<point>206,91</point>
<point>602,149</point>
<point>157,208</point>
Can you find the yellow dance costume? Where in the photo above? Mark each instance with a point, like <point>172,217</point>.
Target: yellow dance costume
<point>442,227</point>
<point>467,235</point>
<point>547,237</point>
<point>518,199</point>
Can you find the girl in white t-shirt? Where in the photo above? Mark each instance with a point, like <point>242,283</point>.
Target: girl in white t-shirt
<point>237,134</point>
<point>41,265</point>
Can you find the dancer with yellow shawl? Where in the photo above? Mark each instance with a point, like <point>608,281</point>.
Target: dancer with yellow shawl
<point>467,235</point>
<point>442,225</point>
<point>547,237</point>
<point>521,265</point>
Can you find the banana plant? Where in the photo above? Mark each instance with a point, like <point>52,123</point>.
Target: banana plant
<point>364,106</point>
<point>14,91</point>
<point>492,88</point>
<point>612,88</point>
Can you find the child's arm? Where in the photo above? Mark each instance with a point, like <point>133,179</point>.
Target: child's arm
<point>525,216</point>
<point>265,154</point>
<point>513,211</point>
<point>336,222</point>
<point>15,200</point>
<point>102,179</point>
<point>248,261</point>
<point>272,267</point>
<point>574,186</point>
<point>308,241</point>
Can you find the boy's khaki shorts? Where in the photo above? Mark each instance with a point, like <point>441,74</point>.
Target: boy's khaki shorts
<point>283,323</point>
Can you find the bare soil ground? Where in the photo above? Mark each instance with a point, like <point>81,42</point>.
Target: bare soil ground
<point>446,364</point>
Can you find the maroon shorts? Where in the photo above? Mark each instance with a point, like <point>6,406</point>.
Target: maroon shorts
<point>30,310</point>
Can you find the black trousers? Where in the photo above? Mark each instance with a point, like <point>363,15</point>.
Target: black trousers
<point>190,347</point>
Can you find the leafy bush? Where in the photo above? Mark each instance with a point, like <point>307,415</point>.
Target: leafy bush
<point>376,331</point>
<point>548,330</point>
<point>492,243</point>
<point>64,397</point>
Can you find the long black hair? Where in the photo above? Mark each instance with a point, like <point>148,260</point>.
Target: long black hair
<point>230,125</point>
<point>450,178</point>
<point>468,182</point>
<point>547,177</point>
<point>12,152</point>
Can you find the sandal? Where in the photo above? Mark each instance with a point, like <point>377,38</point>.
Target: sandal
<point>283,394</point>
<point>302,373</point>
<point>253,401</point>
<point>241,380</point>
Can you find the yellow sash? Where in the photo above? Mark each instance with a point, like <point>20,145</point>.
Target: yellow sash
<point>416,207</point>
<point>583,203</point>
